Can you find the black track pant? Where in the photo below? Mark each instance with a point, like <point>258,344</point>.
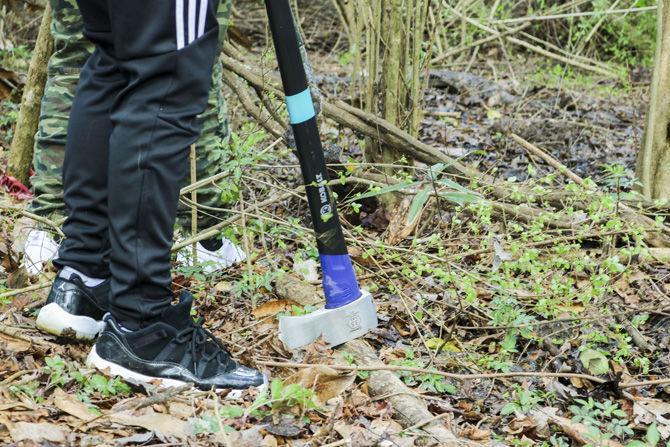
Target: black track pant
<point>133,119</point>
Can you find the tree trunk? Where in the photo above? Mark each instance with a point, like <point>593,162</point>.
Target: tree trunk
<point>21,151</point>
<point>653,161</point>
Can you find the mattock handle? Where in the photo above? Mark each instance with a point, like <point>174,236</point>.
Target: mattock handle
<point>339,280</point>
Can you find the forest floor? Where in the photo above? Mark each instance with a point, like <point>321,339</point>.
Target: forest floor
<point>571,292</point>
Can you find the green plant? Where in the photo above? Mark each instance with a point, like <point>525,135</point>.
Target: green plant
<point>651,438</point>
<point>282,396</point>
<point>62,374</point>
<point>604,420</point>
<point>430,382</point>
<point>523,400</point>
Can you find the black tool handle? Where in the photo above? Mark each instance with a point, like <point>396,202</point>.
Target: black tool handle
<point>339,279</point>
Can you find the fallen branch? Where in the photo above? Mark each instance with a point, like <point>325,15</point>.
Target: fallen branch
<point>249,106</point>
<point>410,408</point>
<point>551,161</point>
<point>658,239</point>
<point>463,377</point>
<point>578,431</point>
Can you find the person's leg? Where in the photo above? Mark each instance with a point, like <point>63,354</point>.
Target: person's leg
<point>212,145</point>
<point>79,296</point>
<point>85,170</point>
<point>70,53</point>
<point>167,54</point>
<point>71,50</point>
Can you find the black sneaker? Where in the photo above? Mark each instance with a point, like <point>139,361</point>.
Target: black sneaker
<point>171,352</point>
<point>74,310</point>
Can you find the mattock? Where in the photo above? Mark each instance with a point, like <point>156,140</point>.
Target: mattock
<point>349,312</point>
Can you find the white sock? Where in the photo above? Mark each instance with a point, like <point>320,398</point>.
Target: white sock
<point>67,273</point>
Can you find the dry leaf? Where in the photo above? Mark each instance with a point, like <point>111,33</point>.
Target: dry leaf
<point>12,344</point>
<point>272,308</point>
<point>402,223</point>
<point>476,434</point>
<point>27,431</point>
<point>354,434</point>
<point>223,286</point>
<point>648,411</point>
<point>326,382</point>
<point>574,430</point>
<point>384,428</point>
<point>72,406</point>
<point>147,418</point>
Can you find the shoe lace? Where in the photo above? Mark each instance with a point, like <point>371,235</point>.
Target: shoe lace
<point>198,338</point>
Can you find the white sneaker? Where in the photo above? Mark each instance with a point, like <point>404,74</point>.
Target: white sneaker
<point>39,249</point>
<point>228,254</point>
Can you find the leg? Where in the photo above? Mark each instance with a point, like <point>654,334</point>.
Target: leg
<point>212,145</point>
<point>71,52</point>
<point>168,62</point>
<point>86,247</point>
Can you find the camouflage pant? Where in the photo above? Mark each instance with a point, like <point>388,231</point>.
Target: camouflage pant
<point>71,52</point>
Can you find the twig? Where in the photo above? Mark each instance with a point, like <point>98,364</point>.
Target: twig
<point>572,14</point>
<point>463,377</point>
<point>15,333</point>
<point>36,218</point>
<point>455,376</point>
<point>531,47</point>
<point>214,230</point>
<point>32,288</point>
<point>551,161</point>
<point>137,404</point>
<point>194,198</point>
<point>427,421</point>
<point>16,375</point>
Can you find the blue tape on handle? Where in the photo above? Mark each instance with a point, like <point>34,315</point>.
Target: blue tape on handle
<point>300,107</point>
<point>339,280</point>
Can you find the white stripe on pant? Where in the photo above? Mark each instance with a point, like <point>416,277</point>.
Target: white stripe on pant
<point>179,20</point>
<point>194,30</point>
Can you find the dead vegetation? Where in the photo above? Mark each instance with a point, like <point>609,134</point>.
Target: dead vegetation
<point>522,285</point>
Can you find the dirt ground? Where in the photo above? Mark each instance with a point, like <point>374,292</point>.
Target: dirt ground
<point>559,331</point>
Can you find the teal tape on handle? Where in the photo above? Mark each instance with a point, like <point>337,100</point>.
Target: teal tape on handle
<point>300,107</point>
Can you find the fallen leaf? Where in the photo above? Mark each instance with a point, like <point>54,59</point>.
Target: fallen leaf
<point>13,344</point>
<point>28,431</point>
<point>72,406</point>
<point>326,382</point>
<point>475,434</point>
<point>163,424</point>
<point>595,362</point>
<point>354,434</point>
<point>381,428</point>
<point>223,286</point>
<point>286,427</point>
<point>405,217</point>
<point>271,308</point>
<point>136,439</point>
<point>649,411</point>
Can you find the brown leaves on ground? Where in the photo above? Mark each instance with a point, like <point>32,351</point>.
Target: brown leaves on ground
<point>326,382</point>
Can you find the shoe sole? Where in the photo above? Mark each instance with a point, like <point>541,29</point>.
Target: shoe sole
<point>54,320</point>
<point>112,369</point>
